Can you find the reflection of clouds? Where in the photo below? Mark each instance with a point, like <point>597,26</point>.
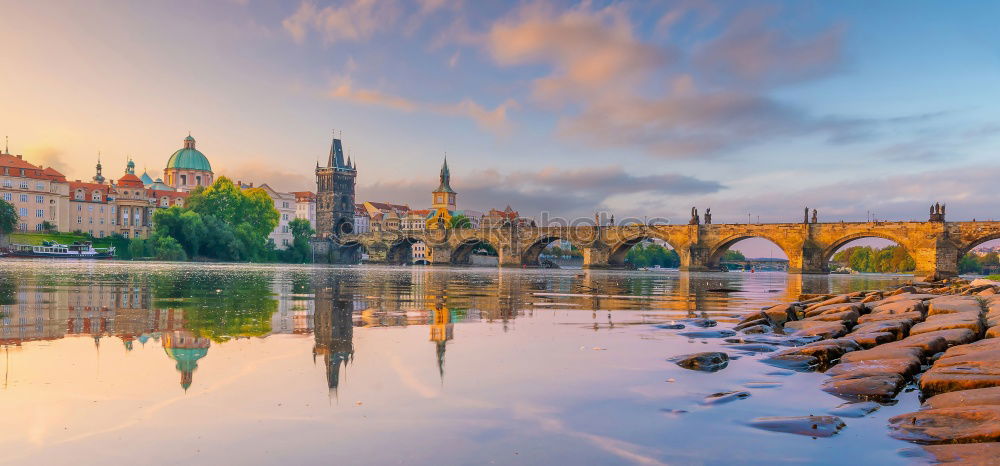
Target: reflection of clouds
<point>38,429</point>
<point>409,379</point>
<point>620,448</point>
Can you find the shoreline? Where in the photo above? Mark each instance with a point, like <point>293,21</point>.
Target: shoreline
<point>941,338</point>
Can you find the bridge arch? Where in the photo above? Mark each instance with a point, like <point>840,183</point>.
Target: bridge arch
<point>835,246</point>
<point>968,246</point>
<point>401,250</point>
<point>619,250</point>
<point>715,253</point>
<point>462,252</point>
<point>530,255</point>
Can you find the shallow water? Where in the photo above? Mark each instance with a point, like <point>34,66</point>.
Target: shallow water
<point>152,363</point>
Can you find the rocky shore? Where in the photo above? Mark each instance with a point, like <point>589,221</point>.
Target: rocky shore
<point>942,338</point>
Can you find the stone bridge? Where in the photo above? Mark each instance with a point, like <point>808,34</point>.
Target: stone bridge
<point>935,246</point>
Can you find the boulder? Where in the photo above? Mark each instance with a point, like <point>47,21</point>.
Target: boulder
<point>955,336</point>
<point>948,425</point>
<point>993,332</point>
<point>848,316</point>
<point>708,333</point>
<point>816,328</point>
<point>974,397</point>
<point>970,320</point>
<point>855,409</point>
<point>962,372</point>
<point>903,367</point>
<point>898,328</point>
<point>795,362</point>
<point>962,453</point>
<point>834,300</point>
<point>977,347</point>
<point>724,397</point>
<point>861,386</point>
<point>984,281</point>
<point>910,317</point>
<point>882,352</point>
<point>837,308</point>
<point>870,340</point>
<point>757,329</point>
<point>902,306</point>
<point>706,362</point>
<point>928,343</point>
<point>825,352</point>
<point>813,426</point>
<point>952,304</point>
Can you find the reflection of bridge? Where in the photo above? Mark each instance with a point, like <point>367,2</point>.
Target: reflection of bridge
<point>935,246</point>
<point>762,263</point>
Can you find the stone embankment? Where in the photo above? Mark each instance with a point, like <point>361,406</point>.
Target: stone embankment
<point>943,337</point>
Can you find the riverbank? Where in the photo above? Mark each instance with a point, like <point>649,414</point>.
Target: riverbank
<point>939,338</point>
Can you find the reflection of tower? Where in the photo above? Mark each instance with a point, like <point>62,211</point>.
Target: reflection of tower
<point>442,330</point>
<point>334,331</point>
<point>185,348</point>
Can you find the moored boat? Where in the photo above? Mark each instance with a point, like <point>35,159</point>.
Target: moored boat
<point>48,249</point>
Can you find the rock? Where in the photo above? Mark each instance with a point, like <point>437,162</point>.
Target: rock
<point>963,453</point>
<point>813,426</point>
<point>970,320</point>
<point>984,281</point>
<point>708,334</point>
<point>699,322</point>
<point>993,332</point>
<point>876,296</point>
<point>909,317</point>
<point>952,304</point>
<point>836,308</point>
<point>823,330</point>
<point>928,343</point>
<point>751,323</point>
<point>902,367</point>
<point>834,300</point>
<point>882,352</point>
<point>724,397</point>
<point>956,336</point>
<point>987,292</point>
<point>754,348</point>
<point>948,425</point>
<point>795,362</point>
<point>762,384</point>
<point>858,386</point>
<point>669,326</point>
<point>843,316</point>
<point>855,409</point>
<point>824,352</point>
<point>974,397</point>
<point>757,329</point>
<point>899,328</point>
<point>908,296</point>
<point>977,347</point>
<point>779,340</point>
<point>976,370</point>
<point>706,362</point>
<point>870,340</point>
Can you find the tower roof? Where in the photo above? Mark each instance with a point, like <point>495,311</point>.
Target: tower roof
<point>445,186</point>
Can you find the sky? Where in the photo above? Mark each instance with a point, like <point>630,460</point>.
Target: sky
<point>638,108</point>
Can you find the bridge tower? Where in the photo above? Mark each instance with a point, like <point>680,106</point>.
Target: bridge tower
<point>335,194</point>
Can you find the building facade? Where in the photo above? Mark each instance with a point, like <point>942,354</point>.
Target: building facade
<point>38,194</point>
<point>335,185</point>
<point>285,204</point>
<point>305,206</point>
<point>362,222</point>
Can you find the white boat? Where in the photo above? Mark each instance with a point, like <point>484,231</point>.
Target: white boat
<point>48,249</point>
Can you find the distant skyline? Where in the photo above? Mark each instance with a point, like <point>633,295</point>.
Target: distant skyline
<point>636,108</point>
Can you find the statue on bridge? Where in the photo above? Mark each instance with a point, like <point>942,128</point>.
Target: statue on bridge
<point>694,217</point>
<point>708,216</point>
<point>805,216</point>
<point>937,213</point>
<point>814,220</point>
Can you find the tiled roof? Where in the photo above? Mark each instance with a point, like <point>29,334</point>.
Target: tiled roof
<point>14,164</point>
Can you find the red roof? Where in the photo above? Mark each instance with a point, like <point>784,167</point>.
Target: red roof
<point>388,206</point>
<point>88,189</point>
<point>303,196</point>
<point>130,180</point>
<point>14,164</point>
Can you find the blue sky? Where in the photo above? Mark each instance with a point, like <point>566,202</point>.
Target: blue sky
<point>636,108</point>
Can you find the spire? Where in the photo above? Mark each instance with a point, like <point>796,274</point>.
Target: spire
<point>336,159</point>
<point>6,145</point>
<point>98,177</point>
<point>445,186</point>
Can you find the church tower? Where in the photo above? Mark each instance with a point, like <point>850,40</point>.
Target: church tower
<point>99,178</point>
<point>335,194</point>
<point>444,196</point>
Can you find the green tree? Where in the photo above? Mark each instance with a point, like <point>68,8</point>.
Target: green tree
<point>460,221</point>
<point>733,256</point>
<point>8,217</point>
<point>299,252</point>
<point>168,249</point>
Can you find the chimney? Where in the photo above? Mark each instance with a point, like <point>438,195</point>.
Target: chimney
<point>19,156</point>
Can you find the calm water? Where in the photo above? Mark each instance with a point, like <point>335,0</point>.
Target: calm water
<point>146,363</point>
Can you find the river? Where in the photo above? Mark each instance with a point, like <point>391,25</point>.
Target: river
<point>148,363</point>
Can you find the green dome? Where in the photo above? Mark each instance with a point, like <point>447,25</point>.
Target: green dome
<point>189,159</point>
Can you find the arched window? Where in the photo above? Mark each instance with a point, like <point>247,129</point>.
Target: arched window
<point>96,196</point>
<point>79,194</point>
<point>184,180</point>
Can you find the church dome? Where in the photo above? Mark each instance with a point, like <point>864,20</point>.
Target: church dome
<point>189,158</point>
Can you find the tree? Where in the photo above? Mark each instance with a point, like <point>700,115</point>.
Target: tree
<point>168,249</point>
<point>460,221</point>
<point>733,256</point>
<point>8,217</point>
<point>299,252</point>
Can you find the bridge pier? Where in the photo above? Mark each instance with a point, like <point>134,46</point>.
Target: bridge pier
<point>596,258</point>
<point>938,262</point>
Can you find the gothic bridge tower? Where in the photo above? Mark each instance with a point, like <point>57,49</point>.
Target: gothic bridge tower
<point>335,194</point>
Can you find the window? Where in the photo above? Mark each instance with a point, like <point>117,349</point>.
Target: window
<point>39,199</point>
<point>101,208</point>
<point>113,209</point>
<point>96,196</point>
<point>125,234</point>
<point>100,220</point>
<point>38,227</point>
<point>184,180</point>
<point>24,184</point>
<point>24,198</point>
<point>101,235</point>
<point>90,220</point>
<point>79,208</point>
<point>7,197</point>
<point>79,195</point>
<point>40,213</point>
<point>39,187</point>
<point>22,226</point>
<point>197,180</point>
<point>24,211</point>
<point>6,183</point>
<point>90,208</point>
<point>79,220</point>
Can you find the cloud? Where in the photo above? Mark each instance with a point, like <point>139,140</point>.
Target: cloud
<point>712,96</point>
<point>556,191</point>
<point>259,173</point>
<point>494,119</point>
<point>355,20</point>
